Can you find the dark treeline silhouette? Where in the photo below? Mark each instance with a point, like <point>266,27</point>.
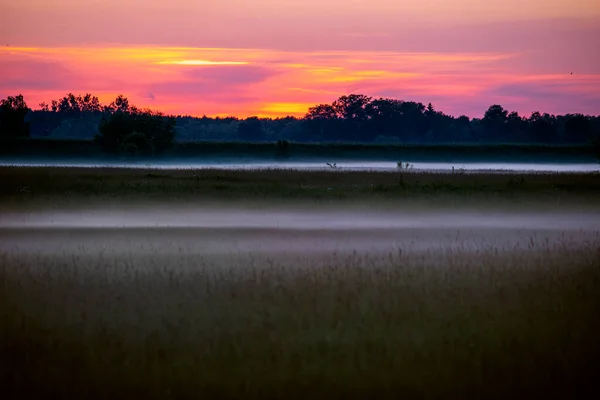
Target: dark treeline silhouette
<point>13,112</point>
<point>121,127</point>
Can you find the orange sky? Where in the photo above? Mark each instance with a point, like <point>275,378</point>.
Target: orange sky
<point>274,58</point>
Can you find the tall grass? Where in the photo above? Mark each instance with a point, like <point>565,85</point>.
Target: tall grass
<point>24,184</point>
<point>473,319</point>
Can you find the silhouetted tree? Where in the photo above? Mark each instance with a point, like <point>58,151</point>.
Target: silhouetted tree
<point>516,128</point>
<point>13,111</point>
<point>322,112</point>
<point>140,132</point>
<point>413,121</point>
<point>384,117</point>
<point>322,123</point>
<point>352,110</point>
<point>440,126</point>
<point>542,129</point>
<point>71,104</point>
<point>494,121</point>
<point>462,129</point>
<point>251,130</point>
<point>352,107</point>
<point>121,103</point>
<point>355,117</point>
<point>578,128</point>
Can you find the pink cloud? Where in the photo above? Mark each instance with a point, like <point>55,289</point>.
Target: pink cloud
<point>243,82</point>
<point>462,55</point>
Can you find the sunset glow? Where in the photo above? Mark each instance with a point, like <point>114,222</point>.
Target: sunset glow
<point>287,59</point>
<point>202,62</point>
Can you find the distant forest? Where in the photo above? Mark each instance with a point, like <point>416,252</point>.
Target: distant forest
<point>354,118</point>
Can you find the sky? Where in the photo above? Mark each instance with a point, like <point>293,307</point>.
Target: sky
<point>273,58</point>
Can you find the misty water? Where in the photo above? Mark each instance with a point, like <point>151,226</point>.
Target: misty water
<point>318,165</point>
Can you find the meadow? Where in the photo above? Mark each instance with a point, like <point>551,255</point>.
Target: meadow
<point>466,285</point>
<point>57,185</point>
<point>168,313</point>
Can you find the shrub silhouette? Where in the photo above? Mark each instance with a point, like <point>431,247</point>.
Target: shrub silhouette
<point>136,132</point>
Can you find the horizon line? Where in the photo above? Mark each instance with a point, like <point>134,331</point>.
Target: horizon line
<point>275,115</point>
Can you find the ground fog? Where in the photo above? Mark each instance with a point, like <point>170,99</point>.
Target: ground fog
<point>231,302</point>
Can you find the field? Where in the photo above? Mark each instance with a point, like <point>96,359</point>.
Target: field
<point>269,284</point>
<point>56,186</point>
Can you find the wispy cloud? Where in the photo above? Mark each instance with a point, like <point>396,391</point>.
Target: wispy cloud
<point>202,62</point>
<point>233,81</point>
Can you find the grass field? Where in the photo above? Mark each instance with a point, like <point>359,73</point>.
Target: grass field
<point>180,313</point>
<point>19,185</point>
<point>465,285</point>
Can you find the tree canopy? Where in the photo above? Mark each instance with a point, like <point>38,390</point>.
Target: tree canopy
<point>121,126</point>
<point>13,111</point>
<point>135,132</point>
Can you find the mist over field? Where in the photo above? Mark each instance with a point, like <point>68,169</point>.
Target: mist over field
<point>273,230</point>
<point>316,217</point>
<point>140,231</point>
<point>240,301</point>
<point>252,282</point>
<point>314,164</point>
<point>315,199</point>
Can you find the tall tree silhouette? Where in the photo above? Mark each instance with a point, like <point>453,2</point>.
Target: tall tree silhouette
<point>495,121</point>
<point>578,128</point>
<point>355,117</point>
<point>251,129</point>
<point>13,111</point>
<point>135,131</point>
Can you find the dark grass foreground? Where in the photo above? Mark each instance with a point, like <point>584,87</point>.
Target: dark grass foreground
<point>479,320</point>
<point>60,149</point>
<point>485,323</point>
<point>20,184</point>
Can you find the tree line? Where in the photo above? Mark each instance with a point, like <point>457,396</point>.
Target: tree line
<point>120,127</point>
